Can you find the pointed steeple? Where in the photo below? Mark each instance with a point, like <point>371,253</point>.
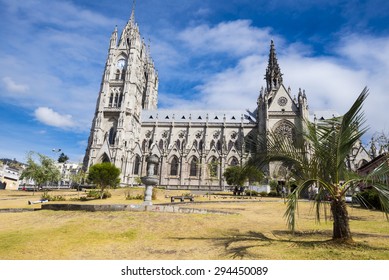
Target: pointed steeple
<point>114,38</point>
<point>273,72</point>
<point>132,17</point>
<point>129,30</point>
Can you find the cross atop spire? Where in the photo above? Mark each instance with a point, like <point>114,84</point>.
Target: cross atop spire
<point>273,72</point>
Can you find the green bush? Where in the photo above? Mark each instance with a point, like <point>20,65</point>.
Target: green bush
<point>135,197</point>
<point>369,199</point>
<point>129,196</point>
<point>48,197</point>
<point>251,193</point>
<point>263,194</point>
<point>272,194</point>
<point>97,194</point>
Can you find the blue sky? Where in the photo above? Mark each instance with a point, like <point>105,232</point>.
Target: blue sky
<point>210,54</point>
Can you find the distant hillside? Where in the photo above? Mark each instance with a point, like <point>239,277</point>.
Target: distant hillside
<point>11,162</point>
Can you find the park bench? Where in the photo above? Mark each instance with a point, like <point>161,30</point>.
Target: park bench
<point>182,198</point>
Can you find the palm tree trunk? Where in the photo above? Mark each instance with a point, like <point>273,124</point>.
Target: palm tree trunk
<point>341,227</point>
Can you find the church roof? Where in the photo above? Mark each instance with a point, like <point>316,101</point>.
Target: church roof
<point>323,115</point>
<point>197,116</point>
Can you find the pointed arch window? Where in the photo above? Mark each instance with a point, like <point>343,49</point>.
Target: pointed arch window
<point>213,170</point>
<point>174,166</point>
<point>193,167</point>
<point>112,136</point>
<point>105,158</point>
<point>234,162</point>
<point>120,100</point>
<point>115,104</point>
<point>110,100</point>
<point>136,165</point>
<point>123,75</point>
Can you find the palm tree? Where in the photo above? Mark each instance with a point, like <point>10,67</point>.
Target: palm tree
<point>320,161</point>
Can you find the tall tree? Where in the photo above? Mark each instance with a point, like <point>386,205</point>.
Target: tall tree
<point>42,170</point>
<point>104,175</point>
<point>321,161</point>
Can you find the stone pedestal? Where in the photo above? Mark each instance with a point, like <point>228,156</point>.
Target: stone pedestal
<point>150,180</point>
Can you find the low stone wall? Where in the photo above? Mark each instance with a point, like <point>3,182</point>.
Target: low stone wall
<point>129,207</point>
<point>17,210</point>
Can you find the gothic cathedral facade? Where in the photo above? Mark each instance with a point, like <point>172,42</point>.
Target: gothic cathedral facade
<point>194,147</point>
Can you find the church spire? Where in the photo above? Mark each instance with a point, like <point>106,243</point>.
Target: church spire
<point>273,72</point>
<point>129,30</point>
<point>132,17</point>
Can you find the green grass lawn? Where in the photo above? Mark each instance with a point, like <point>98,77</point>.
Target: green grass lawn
<point>257,231</point>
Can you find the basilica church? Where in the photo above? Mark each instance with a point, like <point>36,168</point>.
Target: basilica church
<point>193,147</point>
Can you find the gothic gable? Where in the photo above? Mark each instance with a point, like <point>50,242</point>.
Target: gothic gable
<point>104,153</point>
<point>282,101</point>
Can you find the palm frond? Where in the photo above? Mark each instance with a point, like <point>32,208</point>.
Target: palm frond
<point>292,203</point>
<point>377,179</point>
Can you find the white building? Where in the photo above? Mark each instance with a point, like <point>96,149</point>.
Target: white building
<point>9,177</point>
<point>194,147</point>
<point>67,170</point>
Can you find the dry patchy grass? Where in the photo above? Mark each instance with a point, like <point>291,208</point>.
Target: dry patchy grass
<point>257,231</point>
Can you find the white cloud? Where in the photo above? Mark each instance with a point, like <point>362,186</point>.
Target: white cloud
<point>234,88</point>
<point>331,82</point>
<point>12,86</point>
<point>234,37</point>
<point>49,117</point>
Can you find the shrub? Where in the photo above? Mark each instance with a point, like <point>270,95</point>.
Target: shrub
<point>369,199</point>
<point>45,196</point>
<point>251,193</point>
<point>48,197</point>
<point>57,198</point>
<point>263,194</point>
<point>272,194</point>
<point>97,194</point>
<point>134,197</point>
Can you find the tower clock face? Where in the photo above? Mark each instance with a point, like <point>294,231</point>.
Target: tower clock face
<point>121,63</point>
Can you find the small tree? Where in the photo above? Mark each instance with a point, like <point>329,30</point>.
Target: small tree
<point>237,175</point>
<point>104,175</point>
<point>41,172</point>
<point>63,158</point>
<point>234,176</point>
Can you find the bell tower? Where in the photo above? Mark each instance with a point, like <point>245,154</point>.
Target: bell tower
<point>129,84</point>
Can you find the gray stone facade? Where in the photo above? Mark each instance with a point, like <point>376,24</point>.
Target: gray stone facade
<point>194,147</point>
